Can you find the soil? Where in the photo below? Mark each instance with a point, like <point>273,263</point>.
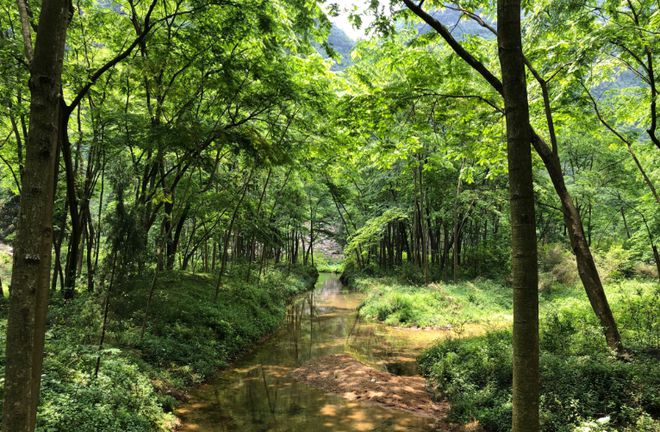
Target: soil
<point>354,381</point>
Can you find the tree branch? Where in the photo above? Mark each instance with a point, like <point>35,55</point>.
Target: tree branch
<point>24,14</point>
<point>457,47</point>
<point>111,63</point>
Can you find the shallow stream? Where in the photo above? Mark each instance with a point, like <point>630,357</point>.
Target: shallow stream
<point>257,393</point>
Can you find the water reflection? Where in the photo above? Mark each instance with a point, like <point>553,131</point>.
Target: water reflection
<point>257,394</point>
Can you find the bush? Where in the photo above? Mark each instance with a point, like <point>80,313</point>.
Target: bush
<point>646,270</point>
<point>557,266</point>
<point>615,264</point>
<point>475,374</point>
<point>188,337</point>
<point>581,380</point>
<point>120,399</point>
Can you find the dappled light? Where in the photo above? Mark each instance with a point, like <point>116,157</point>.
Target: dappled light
<point>320,215</point>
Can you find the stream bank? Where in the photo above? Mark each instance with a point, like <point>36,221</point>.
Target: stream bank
<point>149,361</point>
<point>260,393</point>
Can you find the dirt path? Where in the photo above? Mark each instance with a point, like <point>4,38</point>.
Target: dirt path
<point>352,380</point>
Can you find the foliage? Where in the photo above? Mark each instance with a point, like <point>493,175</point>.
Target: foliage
<point>582,381</point>
<point>188,338</point>
<point>328,264</point>
<point>436,305</point>
<point>372,230</point>
<point>218,137</point>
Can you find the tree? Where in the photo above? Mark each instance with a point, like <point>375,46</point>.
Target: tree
<point>549,154</point>
<point>523,226</point>
<point>32,257</point>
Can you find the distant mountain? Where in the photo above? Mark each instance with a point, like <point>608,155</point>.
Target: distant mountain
<point>457,26</point>
<point>342,44</point>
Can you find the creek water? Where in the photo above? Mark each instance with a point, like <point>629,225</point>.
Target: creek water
<point>257,393</point>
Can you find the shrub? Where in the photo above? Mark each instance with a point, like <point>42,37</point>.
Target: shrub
<point>557,266</point>
<point>120,399</point>
<point>581,380</point>
<point>646,270</point>
<point>475,374</point>
<point>615,264</point>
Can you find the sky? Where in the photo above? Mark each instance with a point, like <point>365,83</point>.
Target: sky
<point>342,22</point>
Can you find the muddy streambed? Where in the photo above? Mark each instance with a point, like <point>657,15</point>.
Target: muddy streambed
<point>258,392</point>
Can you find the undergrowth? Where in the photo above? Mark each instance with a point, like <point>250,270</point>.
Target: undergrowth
<point>585,387</point>
<point>187,337</point>
<point>435,305</point>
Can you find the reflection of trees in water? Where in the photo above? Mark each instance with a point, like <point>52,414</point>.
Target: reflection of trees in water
<point>260,396</point>
<point>300,326</point>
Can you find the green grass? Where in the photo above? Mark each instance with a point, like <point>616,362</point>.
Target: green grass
<point>435,305</point>
<point>188,337</point>
<point>584,385</point>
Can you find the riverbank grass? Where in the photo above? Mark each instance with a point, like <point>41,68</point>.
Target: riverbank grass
<point>437,305</point>
<point>187,337</point>
<point>585,387</point>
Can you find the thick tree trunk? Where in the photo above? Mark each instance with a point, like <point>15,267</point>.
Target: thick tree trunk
<point>32,255</point>
<point>523,230</point>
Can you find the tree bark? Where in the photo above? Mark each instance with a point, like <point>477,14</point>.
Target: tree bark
<point>523,229</point>
<point>32,256</point>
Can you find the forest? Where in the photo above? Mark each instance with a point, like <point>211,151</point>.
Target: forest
<point>318,215</point>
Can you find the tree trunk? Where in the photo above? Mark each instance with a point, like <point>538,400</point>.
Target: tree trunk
<point>656,257</point>
<point>625,223</point>
<point>76,224</point>
<point>457,223</point>
<point>173,241</point>
<point>32,256</point>
<point>585,263</point>
<point>523,230</point>
<point>225,244</point>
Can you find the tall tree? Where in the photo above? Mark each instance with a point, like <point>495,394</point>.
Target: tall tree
<point>32,254</point>
<point>523,221</point>
<point>549,154</point>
